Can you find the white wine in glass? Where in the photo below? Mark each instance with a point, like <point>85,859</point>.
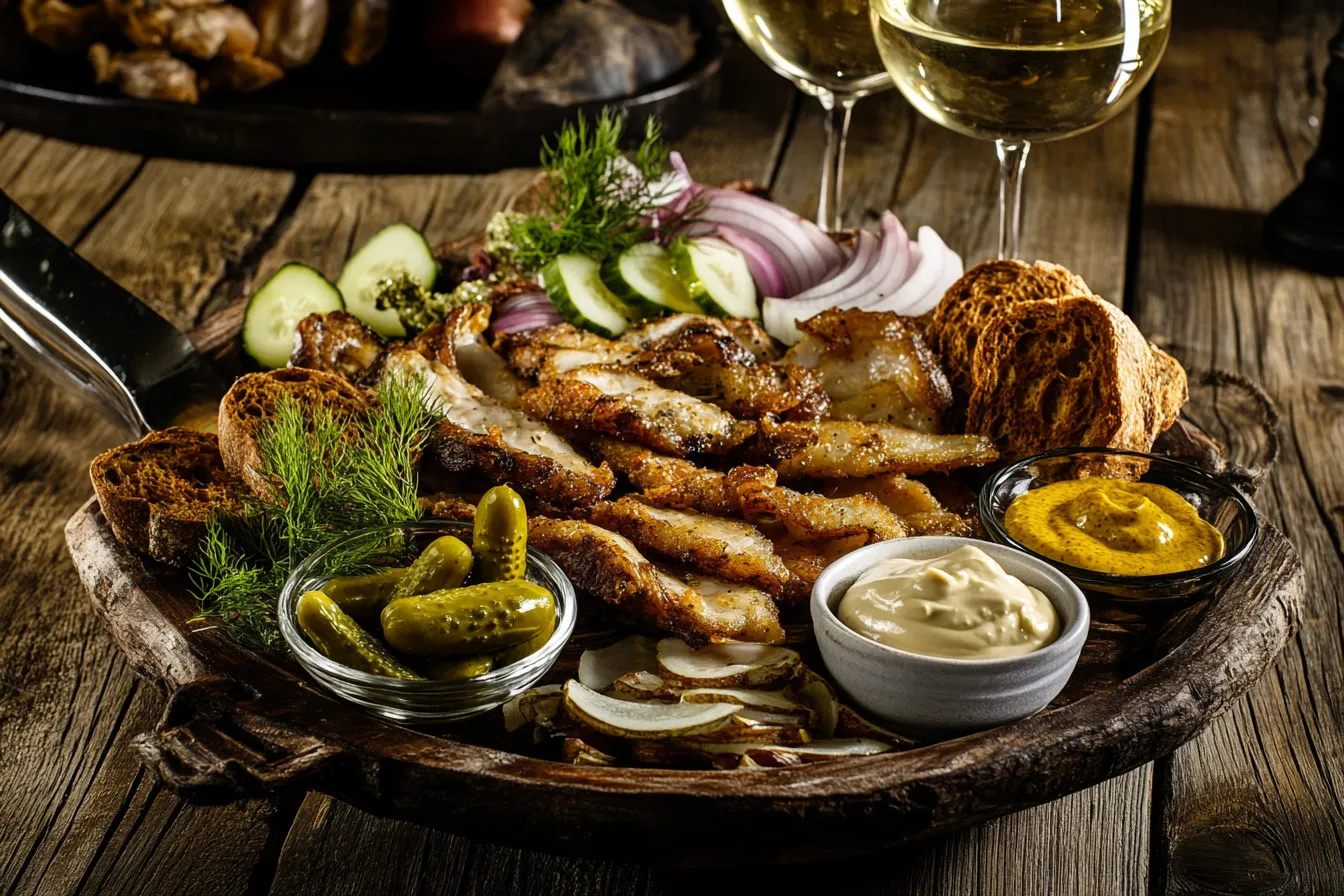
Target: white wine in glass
<point>1020,71</point>
<point>826,48</point>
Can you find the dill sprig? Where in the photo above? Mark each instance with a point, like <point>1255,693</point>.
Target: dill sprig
<point>596,202</point>
<point>328,474</point>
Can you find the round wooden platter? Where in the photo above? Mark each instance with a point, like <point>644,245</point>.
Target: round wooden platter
<point>239,725</point>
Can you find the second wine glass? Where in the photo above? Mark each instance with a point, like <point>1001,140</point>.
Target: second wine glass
<point>1020,71</point>
<point>826,48</point>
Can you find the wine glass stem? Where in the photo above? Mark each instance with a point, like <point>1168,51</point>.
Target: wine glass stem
<point>1012,159</point>
<point>838,110</point>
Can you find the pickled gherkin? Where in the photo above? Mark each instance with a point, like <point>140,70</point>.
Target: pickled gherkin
<point>500,536</point>
<point>339,638</point>
<point>444,564</point>
<point>482,618</point>
<point>364,597</point>
<point>518,651</point>
<point>456,668</point>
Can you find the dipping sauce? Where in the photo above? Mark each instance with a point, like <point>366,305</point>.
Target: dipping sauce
<point>1114,526</point>
<point>961,605</point>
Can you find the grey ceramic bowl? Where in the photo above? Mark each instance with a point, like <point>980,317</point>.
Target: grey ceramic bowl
<point>929,696</point>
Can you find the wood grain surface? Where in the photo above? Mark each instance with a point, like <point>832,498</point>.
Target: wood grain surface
<point>1251,806</point>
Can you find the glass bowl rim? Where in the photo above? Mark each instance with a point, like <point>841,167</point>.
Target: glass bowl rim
<point>1222,565</point>
<point>505,677</point>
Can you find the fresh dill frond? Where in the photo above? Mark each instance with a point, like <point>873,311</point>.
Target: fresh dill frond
<point>328,475</point>
<point>596,202</point>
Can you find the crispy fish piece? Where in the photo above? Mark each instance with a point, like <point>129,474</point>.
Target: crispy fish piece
<point>668,481</point>
<point>698,609</point>
<point>785,390</point>
<point>809,516</point>
<point>460,342</point>
<point>480,435</point>
<point>728,549</point>
<point>806,560</point>
<point>842,449</point>
<point>624,404</point>
<point>550,351</point>
<point>875,366</point>
<point>664,333</point>
<point>909,499</point>
<point>338,342</point>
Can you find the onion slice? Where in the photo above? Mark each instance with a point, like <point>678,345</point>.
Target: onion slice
<point>765,271</point>
<point>525,311</point>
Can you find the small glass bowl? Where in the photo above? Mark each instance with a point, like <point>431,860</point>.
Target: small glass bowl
<point>422,702</point>
<point>1220,505</point>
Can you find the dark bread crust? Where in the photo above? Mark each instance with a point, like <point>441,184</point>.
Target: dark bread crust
<point>250,403</point>
<point>974,300</point>
<point>159,493</point>
<point>1075,371</point>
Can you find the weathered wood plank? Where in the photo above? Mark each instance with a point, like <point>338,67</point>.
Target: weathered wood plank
<point>929,175</point>
<point>1253,805</point>
<point>79,813</point>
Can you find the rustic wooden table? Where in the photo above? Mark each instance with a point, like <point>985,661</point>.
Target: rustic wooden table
<point>1161,208</point>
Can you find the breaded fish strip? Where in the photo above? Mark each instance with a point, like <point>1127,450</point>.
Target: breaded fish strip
<point>624,404</point>
<point>806,560</point>
<point>550,351</point>
<point>808,516</point>
<point>844,449</point>
<point>728,549</point>
<point>875,366</point>
<point>695,608</point>
<point>909,499</point>
<point>668,481</point>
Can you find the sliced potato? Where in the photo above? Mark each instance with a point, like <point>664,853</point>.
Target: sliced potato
<point>529,706</point>
<point>641,686</point>
<point>777,701</point>
<point>642,720</point>
<point>579,752</point>
<point>817,693</point>
<point>835,748</point>
<point>670,754</point>
<point>732,665</point>
<point>599,668</point>
<point>851,724</point>
<point>754,728</point>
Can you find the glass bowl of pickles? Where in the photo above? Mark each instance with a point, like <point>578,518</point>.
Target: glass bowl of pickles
<point>431,621</point>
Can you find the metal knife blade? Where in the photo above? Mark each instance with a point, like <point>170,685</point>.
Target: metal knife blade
<point>85,332</point>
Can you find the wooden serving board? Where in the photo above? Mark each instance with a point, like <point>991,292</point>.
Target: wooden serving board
<point>238,725</point>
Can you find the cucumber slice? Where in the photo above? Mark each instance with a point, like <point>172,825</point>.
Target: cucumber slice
<point>716,277</point>
<point>574,283</point>
<point>396,249</point>
<point>293,292</point>
<point>642,278</point>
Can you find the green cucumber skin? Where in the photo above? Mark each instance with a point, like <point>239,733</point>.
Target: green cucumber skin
<point>271,362</point>
<point>684,269</point>
<point>555,287</point>
<point>633,299</point>
<point>360,302</point>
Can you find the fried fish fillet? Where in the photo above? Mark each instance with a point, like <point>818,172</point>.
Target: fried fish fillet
<point>809,516</point>
<point>807,559</point>
<point>875,366</point>
<point>696,608</point>
<point>337,342</point>
<point>550,351</point>
<point>480,435</point>
<point>624,404</point>
<point>669,332</point>
<point>668,481</point>
<point>784,390</point>
<point>463,337</point>
<point>842,449</point>
<point>909,499</point>
<point>728,549</point>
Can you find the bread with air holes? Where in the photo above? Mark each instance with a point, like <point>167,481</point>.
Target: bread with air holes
<point>158,494</point>
<point>1075,371</point>
<point>974,300</point>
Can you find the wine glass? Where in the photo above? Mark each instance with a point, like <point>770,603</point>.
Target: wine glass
<point>1020,71</point>
<point>826,48</point>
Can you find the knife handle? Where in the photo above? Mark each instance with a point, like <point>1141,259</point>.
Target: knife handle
<point>85,332</point>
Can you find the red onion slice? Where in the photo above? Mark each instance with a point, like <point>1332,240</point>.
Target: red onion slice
<point>525,311</point>
<point>767,274</point>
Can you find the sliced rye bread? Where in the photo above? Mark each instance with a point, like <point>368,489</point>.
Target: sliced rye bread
<point>159,493</point>
<point>250,404</point>
<point>981,293</point>
<point>1056,373</point>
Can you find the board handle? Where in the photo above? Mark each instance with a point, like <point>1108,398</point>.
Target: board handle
<point>1242,413</point>
<point>218,741</point>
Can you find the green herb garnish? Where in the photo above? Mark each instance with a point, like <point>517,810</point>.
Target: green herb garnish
<point>329,475</point>
<point>419,307</point>
<point>595,202</point>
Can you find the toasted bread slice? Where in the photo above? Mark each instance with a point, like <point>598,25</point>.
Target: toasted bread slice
<point>247,407</point>
<point>981,293</point>
<point>1074,371</point>
<point>158,493</point>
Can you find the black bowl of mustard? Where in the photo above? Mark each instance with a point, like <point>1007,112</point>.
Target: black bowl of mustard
<point>1134,526</point>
